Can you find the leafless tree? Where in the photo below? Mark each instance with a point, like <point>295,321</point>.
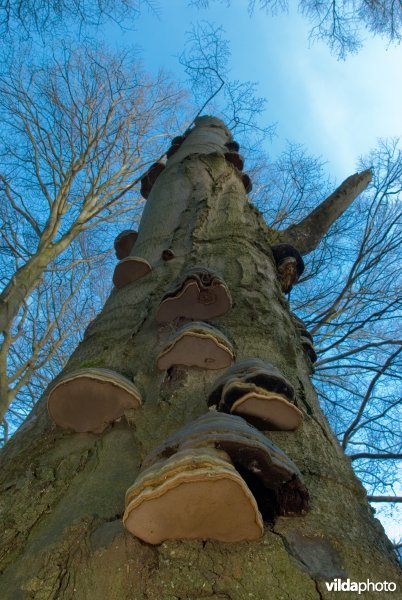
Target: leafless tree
<point>77,132</point>
<point>339,24</point>
<point>29,18</point>
<point>351,299</point>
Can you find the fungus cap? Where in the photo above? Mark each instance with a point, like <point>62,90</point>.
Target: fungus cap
<point>194,494</point>
<point>87,400</point>
<point>148,180</point>
<point>301,327</point>
<point>232,146</point>
<point>308,348</point>
<point>253,371</point>
<point>273,478</point>
<point>283,251</point>
<point>200,294</point>
<point>248,186</point>
<point>235,159</point>
<point>124,242</point>
<point>130,269</point>
<point>264,409</point>
<point>197,344</point>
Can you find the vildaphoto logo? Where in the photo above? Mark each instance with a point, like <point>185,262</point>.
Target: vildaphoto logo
<point>340,585</point>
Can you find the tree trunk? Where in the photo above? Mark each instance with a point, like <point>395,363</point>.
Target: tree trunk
<point>62,493</point>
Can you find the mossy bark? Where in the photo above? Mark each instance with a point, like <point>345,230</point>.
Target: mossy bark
<point>62,493</point>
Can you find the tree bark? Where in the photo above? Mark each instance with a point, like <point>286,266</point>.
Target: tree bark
<point>62,493</point>
<point>307,234</point>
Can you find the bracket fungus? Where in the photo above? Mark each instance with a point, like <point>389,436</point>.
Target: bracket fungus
<point>216,478</point>
<point>258,392</point>
<point>130,269</point>
<point>232,146</point>
<point>201,294</point>
<point>175,145</point>
<point>196,493</point>
<point>248,186</point>
<point>167,255</point>
<point>124,243</point>
<point>197,344</point>
<point>148,180</point>
<point>87,400</point>
<point>235,159</point>
<point>289,265</point>
<point>306,338</point>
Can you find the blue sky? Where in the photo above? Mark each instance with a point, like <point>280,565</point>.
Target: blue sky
<point>337,109</point>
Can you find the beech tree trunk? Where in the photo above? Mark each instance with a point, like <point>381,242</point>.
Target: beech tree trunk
<point>62,493</point>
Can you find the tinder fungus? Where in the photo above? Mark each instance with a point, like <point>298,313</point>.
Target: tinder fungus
<point>148,180</point>
<point>306,338</point>
<point>196,493</point>
<point>232,146</point>
<point>216,478</point>
<point>248,186</point>
<point>289,265</point>
<point>124,243</point>
<point>87,400</point>
<point>235,159</point>
<point>175,145</point>
<point>130,269</point>
<point>200,294</point>
<point>258,392</point>
<point>197,344</point>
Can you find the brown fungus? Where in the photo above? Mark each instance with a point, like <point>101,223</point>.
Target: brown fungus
<point>167,255</point>
<point>308,348</point>
<point>124,243</point>
<point>196,493</point>
<point>306,339</point>
<point>258,392</point>
<point>200,294</point>
<point>175,145</point>
<point>235,159</point>
<point>130,269</point>
<point>272,477</point>
<point>197,344</point>
<point>232,146</point>
<point>248,186</point>
<point>87,400</point>
<point>289,265</point>
<point>148,180</point>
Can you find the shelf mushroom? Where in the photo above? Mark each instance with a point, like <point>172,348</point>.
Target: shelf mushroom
<point>289,265</point>
<point>258,392</point>
<point>193,494</point>
<point>129,270</point>
<point>216,478</point>
<point>88,400</point>
<point>248,186</point>
<point>148,180</point>
<point>235,159</point>
<point>232,146</point>
<point>306,339</point>
<point>197,344</point>
<point>175,145</point>
<point>124,242</point>
<point>200,294</point>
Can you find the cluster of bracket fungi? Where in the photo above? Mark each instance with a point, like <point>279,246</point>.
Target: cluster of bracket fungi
<point>218,477</point>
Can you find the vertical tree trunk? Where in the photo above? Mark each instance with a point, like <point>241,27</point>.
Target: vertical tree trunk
<point>62,493</point>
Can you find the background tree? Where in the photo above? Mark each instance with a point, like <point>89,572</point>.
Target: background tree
<point>339,24</point>
<point>44,18</point>
<point>78,130</point>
